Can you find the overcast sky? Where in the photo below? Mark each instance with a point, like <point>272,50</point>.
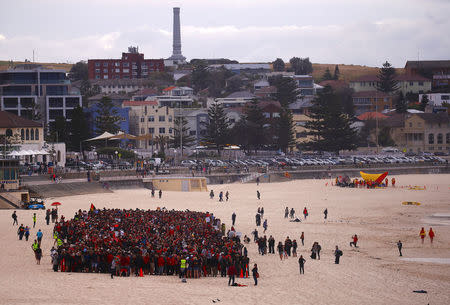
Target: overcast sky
<point>365,32</point>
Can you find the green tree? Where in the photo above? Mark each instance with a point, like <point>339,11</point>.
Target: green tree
<point>78,129</point>
<point>161,141</point>
<point>327,75</point>
<point>330,126</point>
<point>32,112</point>
<point>59,131</point>
<point>107,117</point>
<point>79,71</point>
<point>175,140</point>
<point>200,76</point>
<point>384,137</point>
<point>337,73</point>
<point>255,122</point>
<point>424,102</point>
<point>286,89</point>
<point>278,65</point>
<point>401,105</point>
<point>217,127</point>
<point>387,81</point>
<point>285,130</point>
<point>345,97</point>
<point>301,66</point>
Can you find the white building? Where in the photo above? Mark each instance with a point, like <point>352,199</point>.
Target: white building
<point>436,99</point>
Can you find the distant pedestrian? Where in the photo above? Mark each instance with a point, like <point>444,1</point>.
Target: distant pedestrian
<point>258,195</point>
<point>265,225</point>
<point>34,220</point>
<point>286,212</point>
<point>221,196</point>
<point>280,249</point>
<point>233,218</point>
<point>337,254</point>
<point>227,194</point>
<point>262,212</point>
<point>271,244</point>
<point>422,234</point>
<point>301,263</point>
<point>294,248</point>
<point>160,194</point>
<point>153,192</point>
<point>399,246</point>
<point>305,212</point>
<point>393,182</point>
<point>231,274</point>
<point>302,238</point>
<point>325,214</point>
<point>39,235</point>
<point>258,219</point>
<point>255,273</point>
<point>27,233</point>
<point>21,231</point>
<point>257,181</point>
<point>211,194</point>
<point>292,213</point>
<point>47,217</point>
<point>431,234</point>
<point>355,241</point>
<point>14,217</point>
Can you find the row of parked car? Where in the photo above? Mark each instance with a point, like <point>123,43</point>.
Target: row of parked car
<point>312,161</point>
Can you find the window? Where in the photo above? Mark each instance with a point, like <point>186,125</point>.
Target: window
<point>22,134</point>
<point>97,64</point>
<point>170,118</point>
<point>27,134</point>
<point>276,114</point>
<point>445,97</point>
<point>97,70</point>
<point>447,138</point>
<point>36,134</point>
<point>32,135</point>
<point>151,130</point>
<point>410,124</point>
<point>126,64</point>
<point>420,83</point>
<point>97,76</point>
<point>162,118</point>
<point>431,148</point>
<point>117,64</point>
<point>170,130</point>
<point>105,64</point>
<point>142,130</point>
<point>411,83</point>
<point>431,138</point>
<point>151,118</point>
<point>162,130</point>
<point>440,138</point>
<point>117,70</point>
<point>105,70</point>
<point>142,120</point>
<point>9,133</point>
<point>105,76</point>
<point>126,70</point>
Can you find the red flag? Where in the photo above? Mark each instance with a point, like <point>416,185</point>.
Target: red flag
<point>92,207</point>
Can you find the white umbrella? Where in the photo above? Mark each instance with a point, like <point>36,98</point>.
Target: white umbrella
<point>104,136</point>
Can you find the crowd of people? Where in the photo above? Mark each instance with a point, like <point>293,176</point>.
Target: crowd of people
<point>159,242</point>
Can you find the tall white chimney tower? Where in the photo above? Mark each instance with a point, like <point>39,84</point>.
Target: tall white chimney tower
<point>177,57</point>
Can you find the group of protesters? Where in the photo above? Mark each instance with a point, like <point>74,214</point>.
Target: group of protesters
<point>158,242</point>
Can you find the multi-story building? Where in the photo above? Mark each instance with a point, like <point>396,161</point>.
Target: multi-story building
<point>236,99</point>
<point>30,89</point>
<point>123,86</point>
<point>439,70</point>
<point>147,118</point>
<point>196,121</point>
<point>436,99</point>
<point>369,101</point>
<point>406,83</point>
<point>423,132</point>
<point>131,65</point>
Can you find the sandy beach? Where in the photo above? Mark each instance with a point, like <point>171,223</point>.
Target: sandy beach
<point>371,274</point>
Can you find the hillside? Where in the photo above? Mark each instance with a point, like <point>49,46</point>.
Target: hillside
<point>348,72</point>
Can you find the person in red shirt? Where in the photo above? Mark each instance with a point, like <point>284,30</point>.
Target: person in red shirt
<point>305,212</point>
<point>423,234</point>
<point>431,234</point>
<point>355,240</point>
<point>393,182</point>
<point>231,274</point>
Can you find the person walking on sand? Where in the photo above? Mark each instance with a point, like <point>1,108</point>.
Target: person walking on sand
<point>21,231</point>
<point>280,249</point>
<point>258,195</point>
<point>211,194</point>
<point>292,213</point>
<point>257,180</point>
<point>422,234</point>
<point>39,236</point>
<point>227,194</point>
<point>231,274</point>
<point>220,196</point>
<point>14,217</point>
<point>399,246</point>
<point>301,263</point>
<point>34,220</point>
<point>393,182</point>
<point>286,212</point>
<point>27,233</point>
<point>302,238</point>
<point>305,212</point>
<point>431,234</point>
<point>255,273</point>
<point>233,218</point>
<point>325,214</point>
<point>337,254</point>
<point>38,255</point>
<point>160,194</point>
<point>355,241</point>
<point>294,248</point>
<point>265,225</point>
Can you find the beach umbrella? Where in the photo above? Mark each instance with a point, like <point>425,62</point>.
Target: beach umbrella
<point>56,203</point>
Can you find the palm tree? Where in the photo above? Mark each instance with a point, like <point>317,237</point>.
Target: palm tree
<point>161,141</point>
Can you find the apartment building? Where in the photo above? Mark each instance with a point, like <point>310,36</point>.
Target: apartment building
<point>131,65</point>
<point>406,83</point>
<point>370,101</point>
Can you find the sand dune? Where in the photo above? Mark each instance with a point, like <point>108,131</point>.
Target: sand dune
<point>370,274</point>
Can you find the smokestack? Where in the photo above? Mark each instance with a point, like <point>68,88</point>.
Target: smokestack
<point>176,51</point>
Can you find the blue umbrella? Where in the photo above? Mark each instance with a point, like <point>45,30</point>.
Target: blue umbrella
<point>35,206</point>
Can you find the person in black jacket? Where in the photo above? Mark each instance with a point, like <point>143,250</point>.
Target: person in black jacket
<point>301,263</point>
<point>337,253</point>
<point>255,273</point>
<point>271,244</point>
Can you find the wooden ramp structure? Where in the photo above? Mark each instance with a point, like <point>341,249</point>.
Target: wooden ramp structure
<point>178,184</point>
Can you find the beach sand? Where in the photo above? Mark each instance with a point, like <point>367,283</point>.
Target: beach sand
<point>371,274</point>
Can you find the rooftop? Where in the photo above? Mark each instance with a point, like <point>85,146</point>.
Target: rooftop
<point>400,77</point>
<point>10,120</point>
<point>139,103</point>
<point>242,95</point>
<point>427,64</point>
